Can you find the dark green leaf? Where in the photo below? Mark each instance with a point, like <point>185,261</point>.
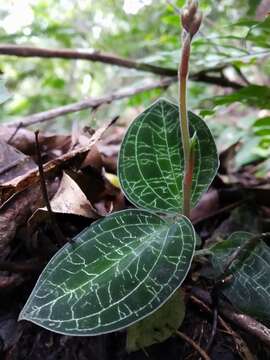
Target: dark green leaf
<point>118,271</point>
<point>151,162</point>
<point>261,126</point>
<point>247,154</point>
<point>249,289</point>
<point>253,4</point>
<point>259,33</point>
<point>252,95</point>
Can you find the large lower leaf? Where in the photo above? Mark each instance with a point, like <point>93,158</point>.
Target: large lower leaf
<point>151,162</point>
<point>249,289</point>
<point>118,271</point>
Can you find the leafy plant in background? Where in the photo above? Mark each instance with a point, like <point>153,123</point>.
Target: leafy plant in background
<point>153,32</point>
<point>252,132</point>
<point>125,267</point>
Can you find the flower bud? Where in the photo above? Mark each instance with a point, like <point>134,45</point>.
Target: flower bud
<point>191,17</point>
<point>194,27</point>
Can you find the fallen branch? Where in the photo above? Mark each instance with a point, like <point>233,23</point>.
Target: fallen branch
<point>96,56</point>
<point>246,322</point>
<point>240,344</point>
<point>203,76</point>
<point>193,344</point>
<point>90,103</point>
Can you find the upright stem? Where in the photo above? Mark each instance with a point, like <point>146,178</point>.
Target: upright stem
<point>191,18</point>
<point>184,123</point>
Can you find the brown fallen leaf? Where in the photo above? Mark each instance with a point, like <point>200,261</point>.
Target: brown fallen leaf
<point>73,157</point>
<point>69,199</point>
<point>15,212</point>
<point>24,141</point>
<point>93,158</point>
<point>13,163</point>
<point>104,196</point>
<point>109,148</point>
<point>208,205</point>
<point>10,282</point>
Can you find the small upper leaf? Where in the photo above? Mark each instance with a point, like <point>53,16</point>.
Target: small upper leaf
<point>249,288</point>
<point>118,271</point>
<point>151,162</point>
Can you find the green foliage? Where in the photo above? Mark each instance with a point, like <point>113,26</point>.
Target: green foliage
<point>151,163</point>
<point>259,33</point>
<point>252,95</point>
<point>253,4</point>
<point>252,135</point>
<point>248,289</point>
<point>152,34</point>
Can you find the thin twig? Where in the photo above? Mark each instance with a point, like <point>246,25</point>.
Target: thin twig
<point>193,344</point>
<point>203,76</point>
<point>91,103</point>
<point>218,212</point>
<point>213,331</point>
<point>14,133</point>
<point>241,74</point>
<point>60,239</point>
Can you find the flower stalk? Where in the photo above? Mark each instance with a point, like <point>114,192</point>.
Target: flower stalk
<point>191,19</point>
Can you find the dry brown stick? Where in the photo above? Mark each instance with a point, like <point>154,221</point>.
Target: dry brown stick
<point>203,76</point>
<point>246,322</point>
<point>239,342</point>
<point>249,324</point>
<point>193,344</point>
<point>202,305</point>
<point>91,103</point>
<point>95,56</point>
<point>213,330</point>
<point>59,237</point>
<point>219,211</point>
<point>9,141</point>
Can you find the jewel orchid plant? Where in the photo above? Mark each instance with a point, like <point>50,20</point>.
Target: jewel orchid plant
<point>124,267</point>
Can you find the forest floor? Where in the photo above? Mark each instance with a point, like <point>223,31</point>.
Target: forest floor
<point>235,201</point>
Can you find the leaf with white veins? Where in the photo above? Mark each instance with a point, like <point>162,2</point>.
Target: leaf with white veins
<point>118,271</point>
<point>151,160</point>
